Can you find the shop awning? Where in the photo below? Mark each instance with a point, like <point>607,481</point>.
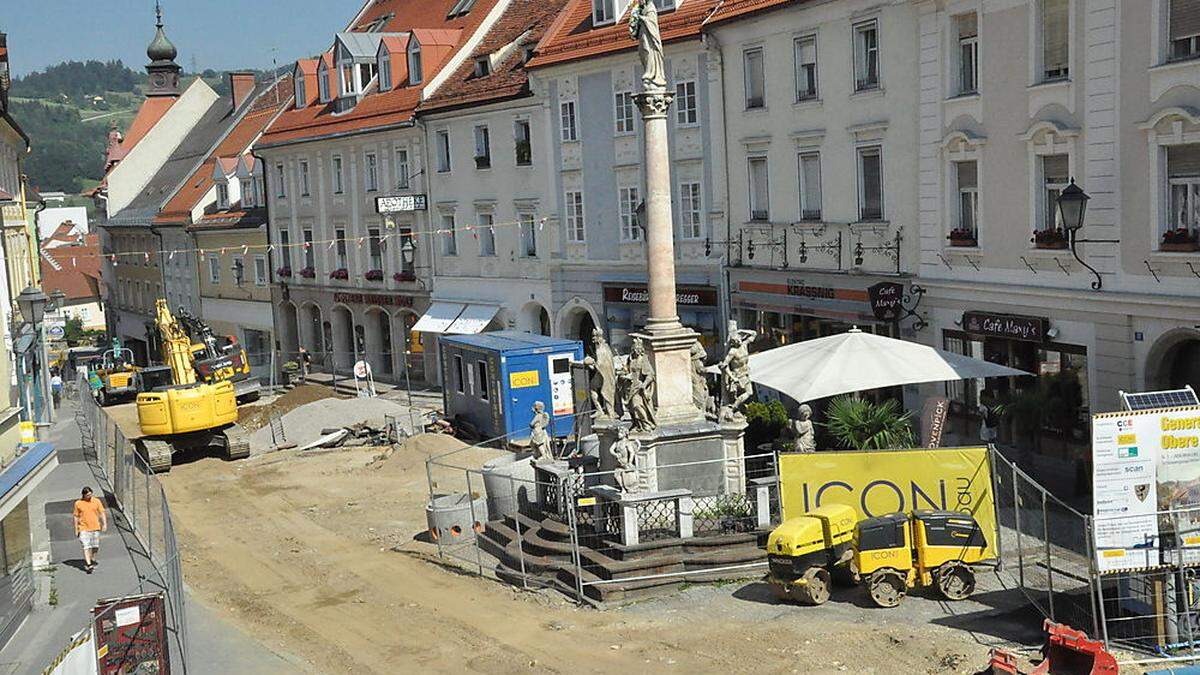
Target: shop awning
<point>473,319</point>
<point>439,317</point>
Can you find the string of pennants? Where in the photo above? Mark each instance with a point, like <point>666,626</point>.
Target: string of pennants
<point>115,258</point>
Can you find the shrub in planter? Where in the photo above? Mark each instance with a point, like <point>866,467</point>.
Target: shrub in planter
<point>1179,239</point>
<point>374,275</point>
<point>308,273</point>
<point>284,271</point>
<point>962,237</point>
<point>1054,238</point>
<point>340,273</point>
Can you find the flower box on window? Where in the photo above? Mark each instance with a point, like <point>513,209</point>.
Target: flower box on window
<point>1052,239</point>
<point>308,273</point>
<point>483,162</point>
<point>340,273</point>
<point>404,276</point>
<point>1179,240</point>
<point>961,237</point>
<point>284,271</point>
<point>374,275</point>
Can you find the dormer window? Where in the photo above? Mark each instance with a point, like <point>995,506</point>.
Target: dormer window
<point>528,55</point>
<point>483,66</point>
<point>301,98</point>
<point>385,73</point>
<point>608,11</point>
<point>222,195</point>
<point>415,74</point>
<point>349,81</point>
<point>460,8</point>
<point>323,83</point>
<point>249,196</point>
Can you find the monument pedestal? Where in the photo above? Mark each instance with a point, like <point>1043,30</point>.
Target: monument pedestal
<point>702,456</point>
<point>669,349</point>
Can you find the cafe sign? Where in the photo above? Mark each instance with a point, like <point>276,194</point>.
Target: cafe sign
<point>886,299</point>
<point>394,203</point>
<point>1011,326</point>
<point>374,299</point>
<point>640,295</point>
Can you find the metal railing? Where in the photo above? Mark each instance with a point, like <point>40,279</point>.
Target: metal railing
<point>127,479</point>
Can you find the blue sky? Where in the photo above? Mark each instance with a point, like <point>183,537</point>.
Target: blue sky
<point>220,34</point>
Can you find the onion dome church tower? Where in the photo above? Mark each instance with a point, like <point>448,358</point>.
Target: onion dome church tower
<point>163,71</point>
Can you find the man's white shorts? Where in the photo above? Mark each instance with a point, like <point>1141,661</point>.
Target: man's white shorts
<point>90,538</point>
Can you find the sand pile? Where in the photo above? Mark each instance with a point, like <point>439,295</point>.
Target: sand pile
<point>303,424</point>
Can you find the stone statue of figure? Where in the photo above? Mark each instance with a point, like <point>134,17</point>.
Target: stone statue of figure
<point>700,396</point>
<point>603,377</point>
<point>643,25</point>
<point>639,389</point>
<point>625,451</point>
<point>802,430</point>
<point>539,438</point>
<point>736,387</point>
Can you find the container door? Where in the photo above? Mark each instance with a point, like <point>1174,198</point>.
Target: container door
<point>561,394</point>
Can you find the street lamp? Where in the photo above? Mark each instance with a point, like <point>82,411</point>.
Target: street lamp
<point>408,252</point>
<point>1072,205</point>
<point>32,303</point>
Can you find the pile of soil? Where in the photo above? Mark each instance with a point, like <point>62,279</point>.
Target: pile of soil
<point>306,423</point>
<point>253,417</point>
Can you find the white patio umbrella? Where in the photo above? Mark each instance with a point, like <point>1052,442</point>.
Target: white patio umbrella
<point>857,361</point>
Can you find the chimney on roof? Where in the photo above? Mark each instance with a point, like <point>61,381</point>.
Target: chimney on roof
<point>241,83</point>
<point>5,82</point>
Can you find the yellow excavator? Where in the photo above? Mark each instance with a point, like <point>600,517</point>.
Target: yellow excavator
<point>176,410</point>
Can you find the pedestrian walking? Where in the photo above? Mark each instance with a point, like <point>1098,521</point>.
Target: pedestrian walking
<point>91,519</point>
<point>305,360</point>
<point>56,386</point>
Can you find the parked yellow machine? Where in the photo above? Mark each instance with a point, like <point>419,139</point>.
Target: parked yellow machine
<point>807,553</point>
<point>895,552</point>
<point>176,411</point>
<point>117,376</point>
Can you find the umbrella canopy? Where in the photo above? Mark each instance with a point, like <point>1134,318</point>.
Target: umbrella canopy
<point>857,361</point>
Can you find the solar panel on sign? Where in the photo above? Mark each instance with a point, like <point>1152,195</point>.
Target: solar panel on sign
<point>1151,400</point>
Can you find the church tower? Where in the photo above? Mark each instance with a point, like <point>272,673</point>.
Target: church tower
<point>164,72</point>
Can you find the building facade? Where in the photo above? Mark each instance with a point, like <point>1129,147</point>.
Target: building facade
<point>588,70</point>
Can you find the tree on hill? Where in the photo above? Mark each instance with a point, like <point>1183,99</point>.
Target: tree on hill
<point>74,79</point>
<point>65,150</point>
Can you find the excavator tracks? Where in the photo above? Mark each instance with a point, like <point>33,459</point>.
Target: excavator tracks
<point>237,443</point>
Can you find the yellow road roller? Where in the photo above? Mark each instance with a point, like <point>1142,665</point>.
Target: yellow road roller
<point>805,554</point>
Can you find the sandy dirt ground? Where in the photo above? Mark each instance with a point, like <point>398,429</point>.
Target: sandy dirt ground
<point>254,416</point>
<point>314,555</point>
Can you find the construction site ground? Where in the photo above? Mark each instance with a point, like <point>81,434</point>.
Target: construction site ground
<point>321,557</point>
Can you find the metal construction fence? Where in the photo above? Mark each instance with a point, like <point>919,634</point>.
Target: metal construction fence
<point>128,480</point>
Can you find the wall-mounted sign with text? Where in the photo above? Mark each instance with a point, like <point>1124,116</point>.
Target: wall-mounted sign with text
<point>394,203</point>
<point>1030,328</point>
<point>687,297</point>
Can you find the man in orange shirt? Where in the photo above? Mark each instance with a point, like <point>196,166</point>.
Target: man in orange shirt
<point>90,520</point>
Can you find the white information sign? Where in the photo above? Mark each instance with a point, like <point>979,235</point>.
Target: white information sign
<point>1144,463</point>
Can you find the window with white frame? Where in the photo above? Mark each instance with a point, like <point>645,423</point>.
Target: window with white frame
<point>415,73</point>
<point>401,169</point>
<point>967,26</point>
<point>522,140</point>
<point>483,148</point>
<point>349,83</point>
<point>323,83</point>
<point>338,179</point>
<point>690,219</point>
<point>755,85</point>
<point>966,175</point>
<point>374,248</point>
<point>248,197</point>
<point>603,11</point>
<point>260,270</point>
<point>443,151</point>
<point>1055,176</point>
<point>567,120</point>
<point>339,247</point>
<point>487,234</point>
<point>304,178</point>
<point>628,198</point>
<point>810,185</point>
<point>870,183</point>
<point>222,194</point>
<point>1183,29</point>
<point>576,232</point>
<point>1056,39</point>
<point>301,99</point>
<point>280,189</point>
<point>623,103</point>
<point>760,201</point>
<point>309,254</point>
<point>866,56</point>
<point>371,165</point>
<point>528,235</point>
<point>285,248</point>
<point>385,73</point>
<point>483,66</point>
<point>685,103</point>
<point>214,269</point>
<point>1183,189</point>
<point>805,51</point>
<point>449,235</point>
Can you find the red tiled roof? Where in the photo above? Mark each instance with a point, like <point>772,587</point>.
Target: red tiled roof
<point>733,9</point>
<point>234,144</point>
<point>74,270</point>
<point>151,111</point>
<point>388,108</point>
<point>228,165</point>
<point>524,19</point>
<point>573,37</point>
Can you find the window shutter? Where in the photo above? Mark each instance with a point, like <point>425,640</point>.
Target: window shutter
<point>811,166</point>
<point>967,175</point>
<point>1055,169</point>
<point>1055,26</point>
<point>1183,160</point>
<point>967,26</point>
<point>1184,18</point>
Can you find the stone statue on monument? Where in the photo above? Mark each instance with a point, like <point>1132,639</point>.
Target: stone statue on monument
<point>539,438</point>
<point>639,389</point>
<point>736,388</point>
<point>625,451</point>
<point>602,383</point>
<point>802,430</point>
<point>700,395</point>
<point>643,27</point>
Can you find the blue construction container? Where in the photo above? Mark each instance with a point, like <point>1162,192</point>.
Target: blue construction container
<point>493,379</point>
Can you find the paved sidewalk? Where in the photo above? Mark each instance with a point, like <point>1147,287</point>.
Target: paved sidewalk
<point>66,594</point>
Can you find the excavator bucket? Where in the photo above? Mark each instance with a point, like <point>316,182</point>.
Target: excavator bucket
<point>1067,652</point>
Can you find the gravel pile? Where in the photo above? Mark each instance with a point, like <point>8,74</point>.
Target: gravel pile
<point>304,424</point>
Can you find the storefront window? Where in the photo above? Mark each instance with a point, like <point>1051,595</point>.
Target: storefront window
<point>16,584</point>
<point>627,308</point>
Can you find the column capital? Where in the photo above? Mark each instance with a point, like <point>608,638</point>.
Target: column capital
<point>654,104</point>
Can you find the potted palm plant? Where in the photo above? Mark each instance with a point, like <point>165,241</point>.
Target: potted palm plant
<point>859,424</point>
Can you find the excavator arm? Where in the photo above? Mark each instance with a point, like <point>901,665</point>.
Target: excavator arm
<point>176,345</point>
